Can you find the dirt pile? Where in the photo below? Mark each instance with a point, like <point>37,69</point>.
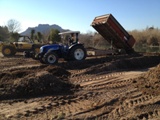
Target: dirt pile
<point>57,71</point>
<point>149,83</point>
<point>39,84</point>
<point>33,82</point>
<point>112,88</point>
<point>125,64</point>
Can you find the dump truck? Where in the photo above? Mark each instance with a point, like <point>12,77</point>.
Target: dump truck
<point>111,30</point>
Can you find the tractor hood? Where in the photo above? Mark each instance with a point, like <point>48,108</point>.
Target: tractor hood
<point>45,48</point>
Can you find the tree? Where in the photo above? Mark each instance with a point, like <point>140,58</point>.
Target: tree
<point>14,36</point>
<point>53,36</point>
<point>39,36</point>
<point>13,25</point>
<point>4,33</point>
<point>32,34</point>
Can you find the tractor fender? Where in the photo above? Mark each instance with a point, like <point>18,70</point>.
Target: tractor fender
<point>72,46</point>
<point>55,50</point>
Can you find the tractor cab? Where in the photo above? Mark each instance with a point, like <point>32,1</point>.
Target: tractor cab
<point>25,39</point>
<point>70,37</point>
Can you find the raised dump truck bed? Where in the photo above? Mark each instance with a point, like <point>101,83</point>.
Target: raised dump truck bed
<point>113,32</point>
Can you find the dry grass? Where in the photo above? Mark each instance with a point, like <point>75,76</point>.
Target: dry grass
<point>147,37</point>
<point>147,40</point>
<point>0,47</point>
<point>144,38</point>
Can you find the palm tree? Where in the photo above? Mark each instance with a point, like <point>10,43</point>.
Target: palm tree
<point>32,34</point>
<point>39,36</point>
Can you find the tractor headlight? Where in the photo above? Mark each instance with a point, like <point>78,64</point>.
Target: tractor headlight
<point>41,49</point>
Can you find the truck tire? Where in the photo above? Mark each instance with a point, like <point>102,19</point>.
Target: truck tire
<point>51,58</point>
<point>26,54</point>
<point>8,51</point>
<point>78,53</point>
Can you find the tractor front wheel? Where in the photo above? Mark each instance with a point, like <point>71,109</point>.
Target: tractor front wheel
<point>51,58</point>
<point>8,51</point>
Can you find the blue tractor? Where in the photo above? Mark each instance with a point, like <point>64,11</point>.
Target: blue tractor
<point>70,50</point>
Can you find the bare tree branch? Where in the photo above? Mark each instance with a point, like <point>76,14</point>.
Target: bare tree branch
<point>13,25</point>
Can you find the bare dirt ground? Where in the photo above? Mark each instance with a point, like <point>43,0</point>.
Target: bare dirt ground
<point>105,88</point>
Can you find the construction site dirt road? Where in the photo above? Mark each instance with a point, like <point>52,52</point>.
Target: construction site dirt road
<point>124,87</point>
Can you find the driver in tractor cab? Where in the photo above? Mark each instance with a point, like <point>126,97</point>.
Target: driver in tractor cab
<point>71,38</point>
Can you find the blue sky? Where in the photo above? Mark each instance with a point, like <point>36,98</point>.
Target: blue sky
<point>78,14</point>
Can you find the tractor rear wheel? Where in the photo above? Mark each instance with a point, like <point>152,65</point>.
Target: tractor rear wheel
<point>78,53</point>
<point>8,51</point>
<point>51,58</point>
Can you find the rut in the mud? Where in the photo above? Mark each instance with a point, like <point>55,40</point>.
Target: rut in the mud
<point>143,104</point>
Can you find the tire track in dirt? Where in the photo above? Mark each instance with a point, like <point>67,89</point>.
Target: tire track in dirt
<point>117,89</point>
<point>86,104</point>
<point>80,107</point>
<point>28,108</point>
<point>98,105</point>
<point>102,95</point>
<point>17,63</point>
<point>137,108</point>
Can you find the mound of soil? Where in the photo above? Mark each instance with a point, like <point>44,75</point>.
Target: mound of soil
<point>39,84</point>
<point>33,82</point>
<point>125,64</point>
<point>57,71</point>
<point>149,83</point>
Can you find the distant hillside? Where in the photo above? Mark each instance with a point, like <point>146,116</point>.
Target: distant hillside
<point>43,28</point>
